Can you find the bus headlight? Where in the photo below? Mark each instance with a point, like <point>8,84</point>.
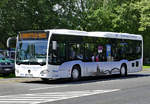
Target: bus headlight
<point>44,72</point>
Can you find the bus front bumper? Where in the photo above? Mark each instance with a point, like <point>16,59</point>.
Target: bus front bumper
<point>36,74</point>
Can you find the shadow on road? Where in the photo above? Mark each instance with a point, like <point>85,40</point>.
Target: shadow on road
<point>88,79</point>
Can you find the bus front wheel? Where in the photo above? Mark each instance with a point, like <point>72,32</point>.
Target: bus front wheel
<point>75,74</point>
<point>123,71</point>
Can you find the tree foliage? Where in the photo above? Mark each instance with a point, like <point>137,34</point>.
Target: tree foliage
<point>132,16</point>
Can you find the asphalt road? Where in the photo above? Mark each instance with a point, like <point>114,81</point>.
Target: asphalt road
<point>134,89</point>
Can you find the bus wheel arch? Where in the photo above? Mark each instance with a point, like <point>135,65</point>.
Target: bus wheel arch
<point>123,70</point>
<point>76,72</point>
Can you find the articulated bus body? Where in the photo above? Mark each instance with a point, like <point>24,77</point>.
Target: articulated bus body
<point>53,54</point>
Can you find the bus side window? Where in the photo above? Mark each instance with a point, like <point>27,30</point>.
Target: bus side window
<point>80,51</point>
<point>72,51</point>
<point>50,54</point>
<point>89,51</point>
<point>61,52</point>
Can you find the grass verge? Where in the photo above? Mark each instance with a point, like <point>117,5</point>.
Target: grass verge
<point>146,66</point>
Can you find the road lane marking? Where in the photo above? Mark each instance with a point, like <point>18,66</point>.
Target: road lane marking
<point>43,88</point>
<point>61,86</point>
<point>17,102</point>
<point>37,98</point>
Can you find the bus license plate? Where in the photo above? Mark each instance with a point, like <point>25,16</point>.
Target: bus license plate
<point>28,75</point>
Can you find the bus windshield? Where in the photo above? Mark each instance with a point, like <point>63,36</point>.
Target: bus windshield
<point>31,52</point>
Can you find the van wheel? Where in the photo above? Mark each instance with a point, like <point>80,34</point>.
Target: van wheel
<point>123,71</point>
<point>75,74</point>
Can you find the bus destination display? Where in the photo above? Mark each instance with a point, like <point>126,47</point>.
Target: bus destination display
<point>28,36</point>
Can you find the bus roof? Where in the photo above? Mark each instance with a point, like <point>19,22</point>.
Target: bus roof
<point>96,34</point>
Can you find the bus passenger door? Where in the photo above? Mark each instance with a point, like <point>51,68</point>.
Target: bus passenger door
<point>89,59</point>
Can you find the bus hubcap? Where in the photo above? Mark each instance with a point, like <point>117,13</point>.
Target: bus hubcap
<point>123,71</point>
<point>75,74</point>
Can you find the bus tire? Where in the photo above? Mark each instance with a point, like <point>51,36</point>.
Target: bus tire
<point>75,73</point>
<point>123,70</point>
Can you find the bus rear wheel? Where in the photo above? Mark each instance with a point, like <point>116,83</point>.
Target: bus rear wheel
<point>75,74</point>
<point>123,71</point>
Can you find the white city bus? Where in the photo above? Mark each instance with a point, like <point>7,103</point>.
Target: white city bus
<point>62,53</point>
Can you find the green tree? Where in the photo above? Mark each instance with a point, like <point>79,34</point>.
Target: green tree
<point>127,17</point>
<point>144,6</point>
<point>20,15</point>
<point>132,16</point>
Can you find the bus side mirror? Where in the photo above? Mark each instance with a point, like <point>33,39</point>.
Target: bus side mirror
<point>54,45</point>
